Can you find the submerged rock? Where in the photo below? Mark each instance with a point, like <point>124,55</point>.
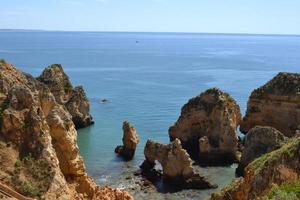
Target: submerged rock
<point>74,99</point>
<point>275,104</point>
<point>258,141</point>
<point>266,172</point>
<point>104,101</point>
<point>39,156</point>
<point>176,165</point>
<point>207,127</point>
<point>130,141</point>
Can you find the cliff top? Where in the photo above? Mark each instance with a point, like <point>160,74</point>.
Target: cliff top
<point>207,100</point>
<point>54,76</point>
<point>283,83</point>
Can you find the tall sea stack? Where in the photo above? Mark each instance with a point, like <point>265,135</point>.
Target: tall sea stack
<point>207,127</point>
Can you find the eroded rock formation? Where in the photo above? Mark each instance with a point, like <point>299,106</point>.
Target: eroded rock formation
<point>130,141</point>
<point>74,99</point>
<point>39,156</point>
<point>266,172</point>
<point>275,104</point>
<point>258,141</point>
<point>176,165</point>
<point>207,127</point>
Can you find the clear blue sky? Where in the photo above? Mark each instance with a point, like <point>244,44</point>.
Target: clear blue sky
<point>219,16</point>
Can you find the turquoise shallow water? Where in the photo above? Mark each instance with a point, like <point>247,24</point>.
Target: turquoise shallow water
<point>147,77</point>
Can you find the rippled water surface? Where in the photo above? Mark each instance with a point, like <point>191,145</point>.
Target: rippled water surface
<point>147,77</point>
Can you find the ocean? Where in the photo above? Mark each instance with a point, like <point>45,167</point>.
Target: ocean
<point>147,78</point>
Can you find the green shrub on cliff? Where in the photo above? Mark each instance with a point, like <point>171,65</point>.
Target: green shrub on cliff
<point>4,106</point>
<point>2,61</point>
<point>18,164</point>
<point>287,191</point>
<point>261,177</point>
<point>32,177</point>
<point>264,161</point>
<point>30,189</point>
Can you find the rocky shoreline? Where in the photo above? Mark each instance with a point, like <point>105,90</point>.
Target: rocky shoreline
<point>40,157</point>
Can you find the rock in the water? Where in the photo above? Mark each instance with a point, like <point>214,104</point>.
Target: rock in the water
<point>176,165</point>
<point>266,172</point>
<point>130,141</point>
<point>74,99</point>
<point>104,100</point>
<point>42,159</point>
<point>258,141</point>
<point>275,104</point>
<point>207,127</point>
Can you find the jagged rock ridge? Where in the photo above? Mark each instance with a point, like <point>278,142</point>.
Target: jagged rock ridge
<point>74,99</point>
<point>38,143</point>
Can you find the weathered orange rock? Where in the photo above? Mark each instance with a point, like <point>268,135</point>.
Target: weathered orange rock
<point>275,104</point>
<point>74,99</point>
<point>207,127</point>
<point>106,193</point>
<point>43,142</point>
<point>176,164</point>
<point>130,141</point>
<point>23,123</point>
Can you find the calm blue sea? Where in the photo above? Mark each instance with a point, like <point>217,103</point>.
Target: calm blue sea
<point>147,77</point>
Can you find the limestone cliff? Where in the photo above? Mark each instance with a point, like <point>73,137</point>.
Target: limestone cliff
<point>264,174</point>
<point>39,156</point>
<point>74,99</point>
<point>276,104</point>
<point>207,127</point>
<point>258,141</point>
<point>130,141</point>
<point>176,165</point>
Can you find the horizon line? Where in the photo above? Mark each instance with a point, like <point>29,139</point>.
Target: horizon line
<point>161,32</point>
